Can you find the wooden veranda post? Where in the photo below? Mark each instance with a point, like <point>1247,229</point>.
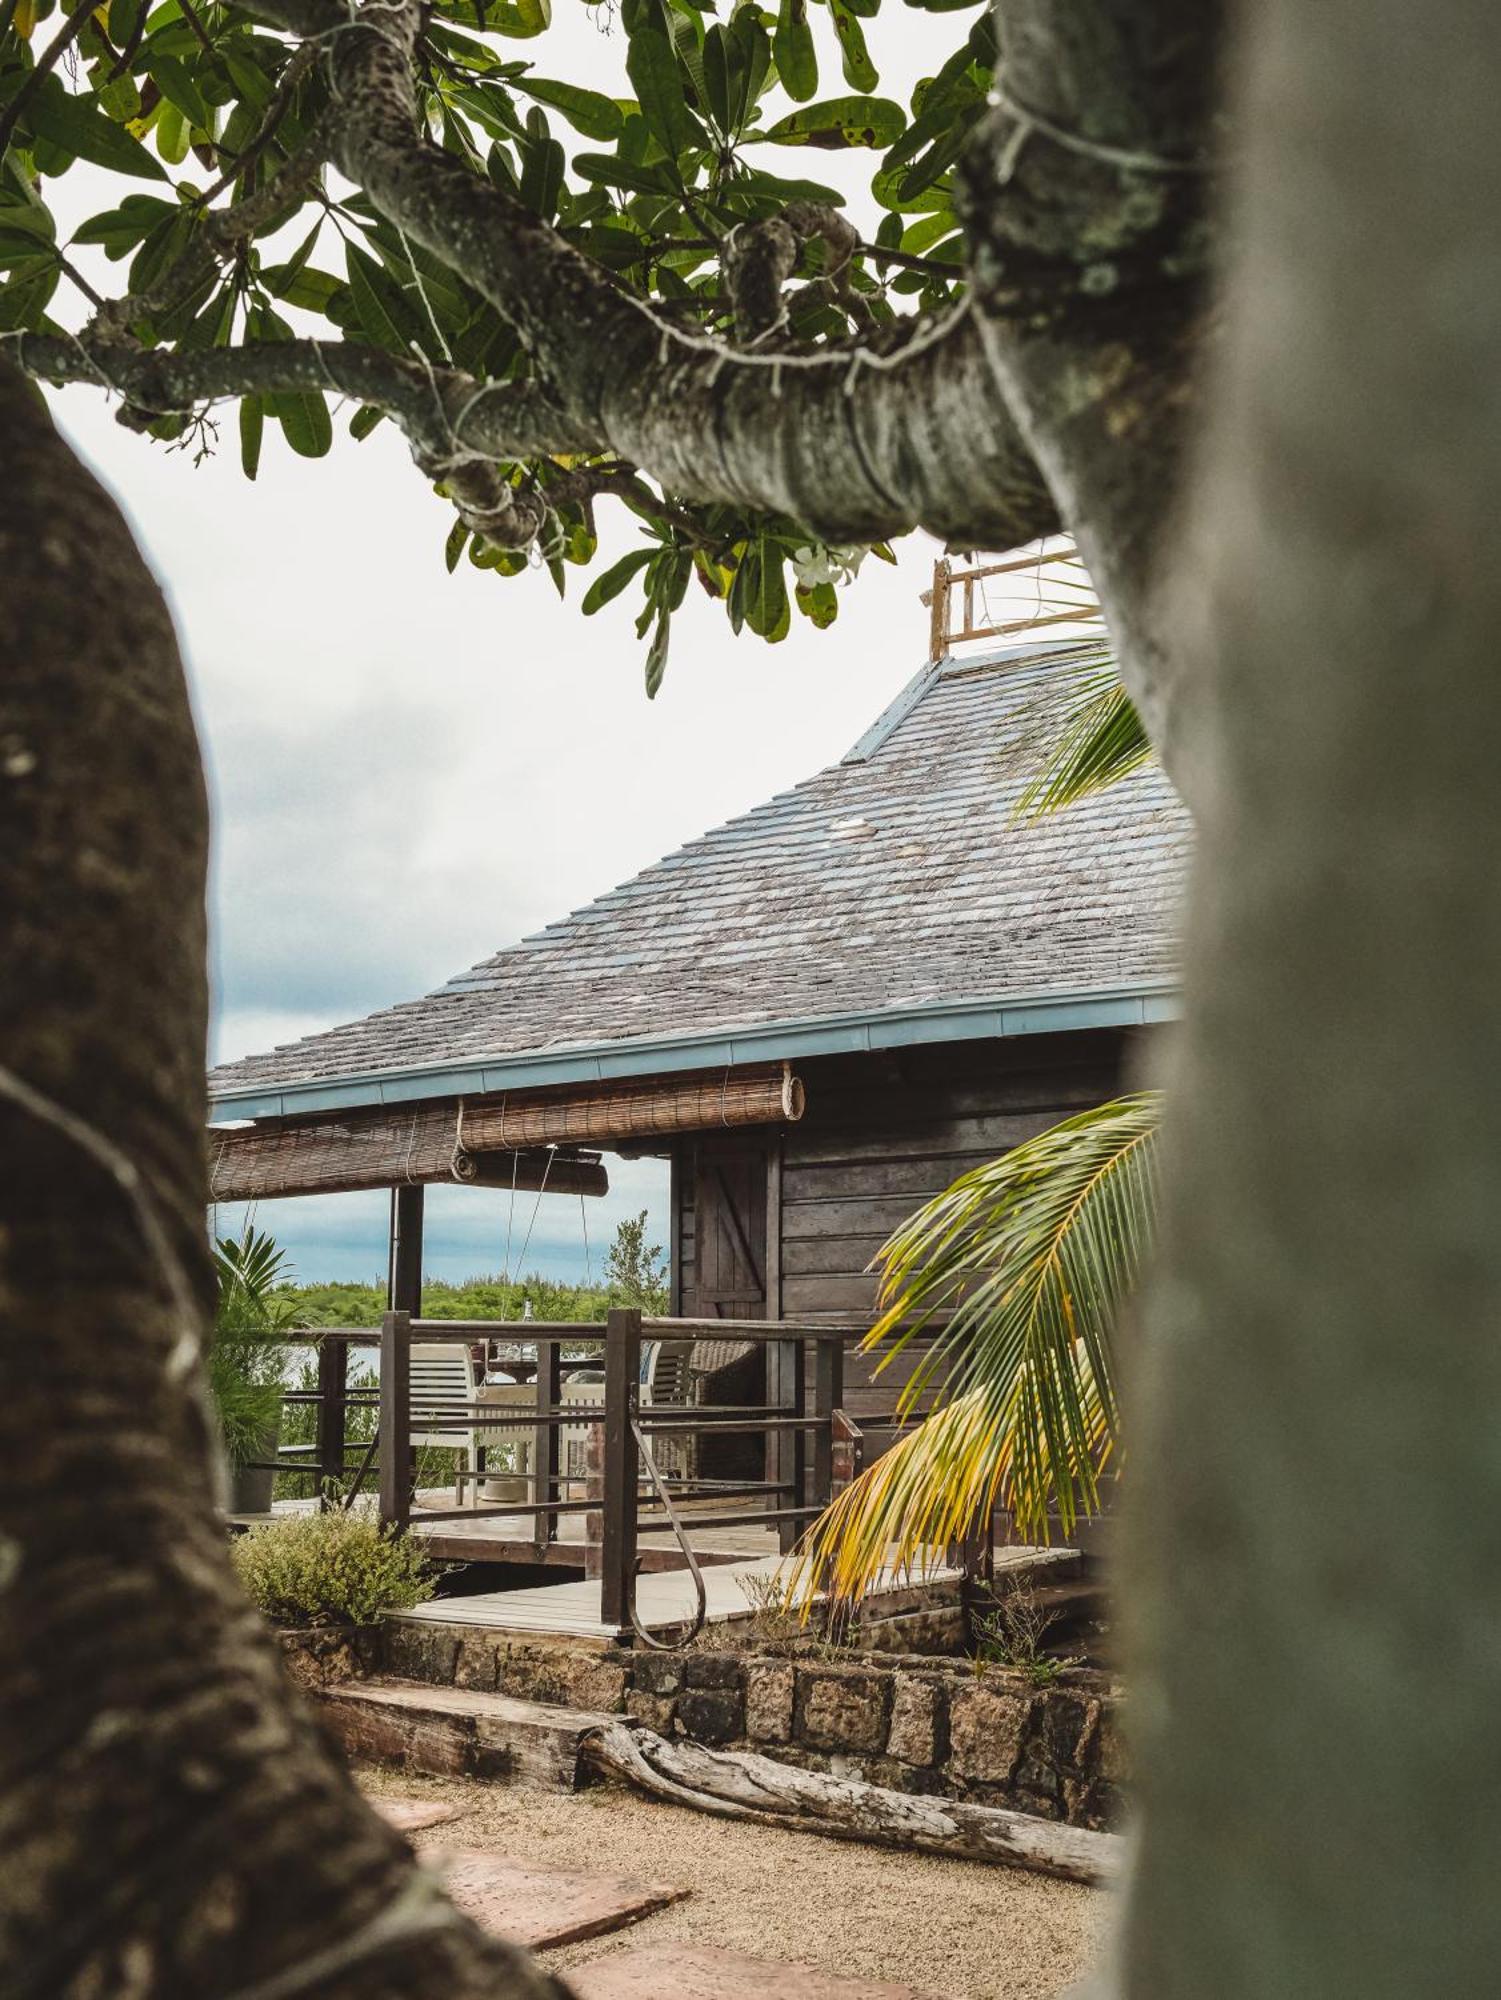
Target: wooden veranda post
<point>622,1405</point>
<point>333,1393</point>
<point>828,1396</point>
<point>547,1438</point>
<point>937,601</point>
<point>396,1419</point>
<point>404,1286</point>
<point>786,1449</point>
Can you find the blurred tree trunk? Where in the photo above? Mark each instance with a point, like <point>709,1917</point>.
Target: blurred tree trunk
<point>169,1820</point>
<point>1318,1673</point>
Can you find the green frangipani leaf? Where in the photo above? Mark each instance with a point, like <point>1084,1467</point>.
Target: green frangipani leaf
<point>652,65</point>
<point>656,658</point>
<point>859,71</point>
<point>77,125</point>
<point>612,581</point>
<point>380,305</point>
<point>587,111</point>
<point>119,230</point>
<point>178,87</point>
<point>174,133</point>
<point>839,122</point>
<point>792,45</point>
<point>305,422</point>
<point>517,19</point>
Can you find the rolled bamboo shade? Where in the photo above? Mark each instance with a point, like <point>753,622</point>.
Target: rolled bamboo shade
<point>483,1141</point>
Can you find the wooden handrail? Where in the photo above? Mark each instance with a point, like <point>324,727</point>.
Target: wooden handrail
<point>944,634</point>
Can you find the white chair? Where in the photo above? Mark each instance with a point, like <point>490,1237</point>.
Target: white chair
<point>512,1477</point>
<point>582,1390</point>
<point>666,1384</point>
<point>446,1384</point>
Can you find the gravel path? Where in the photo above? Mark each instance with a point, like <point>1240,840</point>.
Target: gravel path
<point>953,1929</point>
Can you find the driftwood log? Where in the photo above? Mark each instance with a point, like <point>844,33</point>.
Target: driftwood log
<point>739,1784</point>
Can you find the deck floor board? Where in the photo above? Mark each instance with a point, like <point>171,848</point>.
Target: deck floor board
<point>663,1599</point>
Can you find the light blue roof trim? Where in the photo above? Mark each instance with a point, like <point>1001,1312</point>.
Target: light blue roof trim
<point>776,1041</point>
<point>892,716</point>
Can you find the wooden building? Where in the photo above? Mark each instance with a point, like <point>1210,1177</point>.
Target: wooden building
<point>821,1012</point>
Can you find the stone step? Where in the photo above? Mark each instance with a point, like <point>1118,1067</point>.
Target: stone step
<point>545,1907</point>
<point>458,1732</point>
<point>699,1972</point>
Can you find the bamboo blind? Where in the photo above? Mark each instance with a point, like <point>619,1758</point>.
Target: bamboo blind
<point>484,1141</point>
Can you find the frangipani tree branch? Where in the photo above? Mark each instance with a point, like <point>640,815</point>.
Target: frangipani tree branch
<point>860,441</point>
<point>1050,375</point>
<point>221,234</point>
<point>460,430</point>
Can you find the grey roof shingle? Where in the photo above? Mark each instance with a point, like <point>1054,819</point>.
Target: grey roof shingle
<point>894,880</point>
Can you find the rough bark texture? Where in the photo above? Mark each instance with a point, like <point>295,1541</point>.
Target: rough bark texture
<point>170,1822</point>
<point>1322,1474</point>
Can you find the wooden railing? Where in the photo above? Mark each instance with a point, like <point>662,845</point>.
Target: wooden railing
<point>623,1492</point>
<point>806,1436</point>
<point>952,608</point>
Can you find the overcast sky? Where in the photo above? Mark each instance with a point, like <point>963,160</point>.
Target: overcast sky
<point>411,769</point>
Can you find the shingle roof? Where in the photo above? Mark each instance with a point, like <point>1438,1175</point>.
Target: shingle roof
<point>890,888</point>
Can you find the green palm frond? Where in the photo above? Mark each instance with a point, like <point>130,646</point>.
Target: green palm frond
<point>249,1268</point>
<point>1018,1271</point>
<point>1102,741</point>
<point>247,1353</point>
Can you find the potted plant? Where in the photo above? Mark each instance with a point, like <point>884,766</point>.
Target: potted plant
<point>247,1361</point>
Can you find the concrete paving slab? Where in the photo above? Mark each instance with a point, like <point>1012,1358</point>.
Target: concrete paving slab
<point>413,1815</point>
<point>545,1906</point>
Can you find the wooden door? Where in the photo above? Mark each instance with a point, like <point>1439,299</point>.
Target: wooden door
<point>731,1263</point>
<point>731,1277</point>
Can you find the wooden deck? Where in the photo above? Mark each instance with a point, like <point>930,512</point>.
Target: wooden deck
<point>662,1601</point>
<point>731,1558</point>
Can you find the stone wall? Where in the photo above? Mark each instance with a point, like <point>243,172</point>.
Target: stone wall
<point>914,1723</point>
<point>318,1656</point>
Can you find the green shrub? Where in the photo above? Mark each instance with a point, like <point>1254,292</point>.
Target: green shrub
<point>329,1569</point>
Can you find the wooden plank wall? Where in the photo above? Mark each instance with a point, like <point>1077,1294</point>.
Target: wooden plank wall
<point>884,1132</point>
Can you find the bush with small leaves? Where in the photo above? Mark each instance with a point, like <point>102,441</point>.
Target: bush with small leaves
<point>330,1569</point>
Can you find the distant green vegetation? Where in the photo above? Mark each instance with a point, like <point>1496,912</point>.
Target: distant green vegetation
<point>351,1304</point>
<point>635,1274</point>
